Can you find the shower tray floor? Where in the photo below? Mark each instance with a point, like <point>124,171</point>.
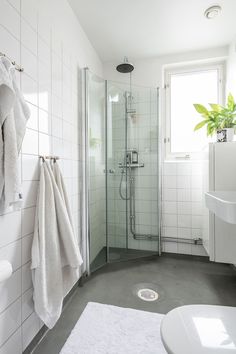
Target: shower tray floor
<point>118,254</point>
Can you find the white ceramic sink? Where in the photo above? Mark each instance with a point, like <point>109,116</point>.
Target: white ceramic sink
<point>222,204</point>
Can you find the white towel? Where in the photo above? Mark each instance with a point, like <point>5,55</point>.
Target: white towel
<point>13,130</point>
<point>7,98</point>
<point>62,188</point>
<point>53,250</point>
<point>70,275</point>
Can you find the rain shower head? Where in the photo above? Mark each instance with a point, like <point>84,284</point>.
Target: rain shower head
<point>125,67</point>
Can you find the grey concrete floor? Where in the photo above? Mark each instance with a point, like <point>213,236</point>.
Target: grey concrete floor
<point>179,280</point>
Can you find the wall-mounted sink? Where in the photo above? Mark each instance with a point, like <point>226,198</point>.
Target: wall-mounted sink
<point>222,204</point>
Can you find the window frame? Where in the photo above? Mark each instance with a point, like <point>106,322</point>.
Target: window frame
<point>182,69</point>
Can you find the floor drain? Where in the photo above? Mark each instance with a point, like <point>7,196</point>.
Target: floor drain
<point>147,294</point>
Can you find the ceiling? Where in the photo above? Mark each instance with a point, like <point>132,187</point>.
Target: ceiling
<point>149,28</point>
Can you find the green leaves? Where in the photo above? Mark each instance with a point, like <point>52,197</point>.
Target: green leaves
<point>216,107</point>
<point>200,125</point>
<point>201,109</point>
<point>218,117</point>
<point>230,103</point>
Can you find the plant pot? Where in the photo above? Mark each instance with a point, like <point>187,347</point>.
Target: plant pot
<point>225,135</point>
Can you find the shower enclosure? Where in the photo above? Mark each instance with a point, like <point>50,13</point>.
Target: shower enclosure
<point>122,171</point>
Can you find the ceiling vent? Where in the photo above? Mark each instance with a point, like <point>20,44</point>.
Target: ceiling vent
<point>212,12</point>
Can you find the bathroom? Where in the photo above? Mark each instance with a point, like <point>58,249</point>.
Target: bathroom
<point>109,89</point>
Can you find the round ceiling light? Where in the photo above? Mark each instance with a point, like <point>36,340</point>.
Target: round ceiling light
<point>212,12</point>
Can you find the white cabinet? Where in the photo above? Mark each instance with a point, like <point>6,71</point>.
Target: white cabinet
<point>222,177</point>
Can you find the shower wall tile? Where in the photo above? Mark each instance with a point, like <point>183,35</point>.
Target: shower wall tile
<point>52,89</point>
<point>182,199</point>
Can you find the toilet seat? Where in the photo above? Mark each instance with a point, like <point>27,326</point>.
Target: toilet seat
<point>200,329</point>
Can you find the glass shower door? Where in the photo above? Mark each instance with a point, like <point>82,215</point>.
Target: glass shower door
<point>96,167</point>
<point>133,193</point>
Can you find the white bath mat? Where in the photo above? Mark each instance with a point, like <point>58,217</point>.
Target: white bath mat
<point>106,329</point>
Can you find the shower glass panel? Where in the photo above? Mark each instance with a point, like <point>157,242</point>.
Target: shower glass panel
<point>133,193</point>
<point>96,167</point>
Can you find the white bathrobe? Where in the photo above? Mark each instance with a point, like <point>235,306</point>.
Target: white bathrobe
<point>13,126</point>
<point>7,99</point>
<point>53,250</point>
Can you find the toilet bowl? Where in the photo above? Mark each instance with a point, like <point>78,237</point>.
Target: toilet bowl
<point>200,329</point>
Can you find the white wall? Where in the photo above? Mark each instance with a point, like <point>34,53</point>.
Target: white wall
<point>231,70</point>
<point>46,38</point>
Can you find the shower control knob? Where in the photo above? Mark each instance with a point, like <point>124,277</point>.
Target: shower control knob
<point>111,170</point>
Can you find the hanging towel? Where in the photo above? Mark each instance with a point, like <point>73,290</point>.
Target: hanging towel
<point>61,186</point>
<point>53,250</point>
<point>70,275</point>
<point>13,130</point>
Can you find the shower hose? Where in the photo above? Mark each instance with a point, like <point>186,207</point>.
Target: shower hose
<point>131,197</point>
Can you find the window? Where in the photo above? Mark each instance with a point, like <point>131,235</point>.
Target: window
<point>184,87</point>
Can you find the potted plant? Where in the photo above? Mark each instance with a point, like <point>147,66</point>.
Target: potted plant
<point>219,120</point>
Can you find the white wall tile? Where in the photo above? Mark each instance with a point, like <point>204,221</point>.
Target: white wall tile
<point>30,328</point>
<point>184,208</point>
<point>196,181</point>
<point>9,45</point>
<point>26,248</point>
<point>15,4</point>
<point>32,122</point>
<point>26,277</point>
<point>44,53</point>
<point>170,231</point>
<point>10,18</point>
<point>184,169</point>
<point>10,290</point>
<point>30,168</point>
<point>169,195</point>
<point>44,122</point>
<point>184,195</point>
<point>13,345</point>
<point>197,221</point>
<point>169,207</point>
<point>169,220</point>
<point>30,189</point>
<point>29,89</point>
<point>12,253</point>
<point>28,216</point>
<point>170,247</point>
<point>169,182</point>
<point>29,12</point>
<point>184,232</point>
<point>184,221</point>
<point>10,226</point>
<point>184,182</point>
<point>27,304</point>
<point>29,37</point>
<point>29,63</point>
<point>184,248</point>
<point>44,144</point>
<point>10,320</point>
